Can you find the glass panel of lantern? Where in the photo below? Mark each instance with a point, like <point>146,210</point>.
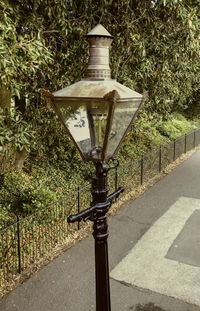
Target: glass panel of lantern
<point>124,113</point>
<point>87,122</point>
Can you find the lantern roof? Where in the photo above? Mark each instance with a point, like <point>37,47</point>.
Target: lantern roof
<point>96,89</point>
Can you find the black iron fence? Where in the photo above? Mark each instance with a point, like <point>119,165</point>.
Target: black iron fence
<point>28,240</point>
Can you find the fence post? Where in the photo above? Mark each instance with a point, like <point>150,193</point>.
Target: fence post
<point>160,158</point>
<point>174,155</point>
<point>142,170</point>
<point>78,206</point>
<point>185,149</point>
<point>194,138</point>
<point>116,180</point>
<point>18,245</point>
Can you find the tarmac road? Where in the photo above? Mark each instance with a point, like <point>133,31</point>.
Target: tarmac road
<point>154,254</point>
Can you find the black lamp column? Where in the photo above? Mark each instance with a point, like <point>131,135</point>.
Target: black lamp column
<point>100,233</point>
<point>97,213</point>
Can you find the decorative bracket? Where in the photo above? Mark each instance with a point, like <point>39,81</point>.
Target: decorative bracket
<point>92,212</point>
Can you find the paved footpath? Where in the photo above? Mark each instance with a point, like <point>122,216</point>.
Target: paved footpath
<point>154,253</point>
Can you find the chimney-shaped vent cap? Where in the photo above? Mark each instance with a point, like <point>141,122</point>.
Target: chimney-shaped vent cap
<point>98,64</point>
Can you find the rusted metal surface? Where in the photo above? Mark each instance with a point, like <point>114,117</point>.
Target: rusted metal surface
<point>96,89</point>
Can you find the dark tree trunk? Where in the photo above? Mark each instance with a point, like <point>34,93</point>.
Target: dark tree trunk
<point>20,157</point>
<point>20,104</point>
<point>5,97</point>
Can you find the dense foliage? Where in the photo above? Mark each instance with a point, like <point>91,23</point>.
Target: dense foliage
<point>156,45</point>
<point>42,45</point>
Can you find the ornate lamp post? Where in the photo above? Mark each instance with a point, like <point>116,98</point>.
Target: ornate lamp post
<point>97,112</point>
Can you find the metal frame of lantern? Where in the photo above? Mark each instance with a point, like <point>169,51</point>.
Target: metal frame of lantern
<point>112,99</point>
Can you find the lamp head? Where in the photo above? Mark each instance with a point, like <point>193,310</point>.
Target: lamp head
<point>96,111</point>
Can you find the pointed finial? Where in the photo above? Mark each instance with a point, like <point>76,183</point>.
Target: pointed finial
<point>99,31</point>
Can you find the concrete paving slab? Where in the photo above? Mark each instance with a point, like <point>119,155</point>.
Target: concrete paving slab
<point>186,247</point>
<point>146,265</point>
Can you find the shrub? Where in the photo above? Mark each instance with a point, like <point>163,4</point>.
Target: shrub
<point>175,126</point>
<point>21,194</point>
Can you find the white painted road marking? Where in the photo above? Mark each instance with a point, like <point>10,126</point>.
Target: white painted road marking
<point>146,266</point>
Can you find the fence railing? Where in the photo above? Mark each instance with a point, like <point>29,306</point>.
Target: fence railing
<point>25,242</point>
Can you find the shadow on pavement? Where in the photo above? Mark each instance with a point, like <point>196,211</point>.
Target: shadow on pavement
<point>148,307</point>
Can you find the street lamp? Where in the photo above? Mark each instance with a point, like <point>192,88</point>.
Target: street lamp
<point>97,112</point>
